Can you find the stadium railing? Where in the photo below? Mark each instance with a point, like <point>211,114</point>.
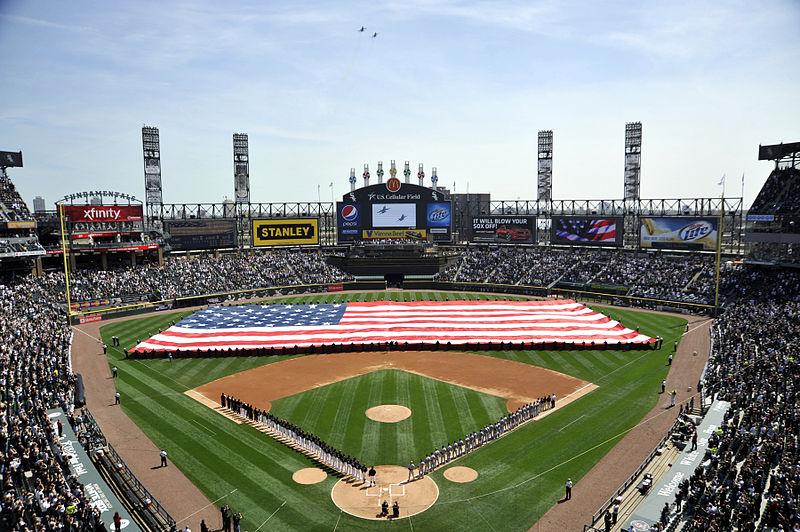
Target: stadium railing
<point>629,481</point>
<point>139,500</point>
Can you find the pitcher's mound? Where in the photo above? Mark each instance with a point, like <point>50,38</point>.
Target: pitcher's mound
<point>460,474</point>
<point>309,475</point>
<point>362,500</point>
<point>388,413</point>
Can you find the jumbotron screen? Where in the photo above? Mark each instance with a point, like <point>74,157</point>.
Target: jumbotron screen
<point>587,231</point>
<point>394,215</point>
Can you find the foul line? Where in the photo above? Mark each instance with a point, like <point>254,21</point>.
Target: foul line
<point>204,427</point>
<point>207,505</point>
<point>270,517</point>
<point>571,422</point>
<point>337,521</point>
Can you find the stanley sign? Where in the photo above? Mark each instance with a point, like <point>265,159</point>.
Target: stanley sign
<point>287,232</point>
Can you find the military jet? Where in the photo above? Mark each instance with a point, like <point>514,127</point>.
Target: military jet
<point>362,29</point>
<point>383,210</point>
<point>374,34</point>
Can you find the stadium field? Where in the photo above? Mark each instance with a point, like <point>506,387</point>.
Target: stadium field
<point>520,476</point>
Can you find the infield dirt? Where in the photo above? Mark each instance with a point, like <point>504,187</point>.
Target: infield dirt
<point>517,382</point>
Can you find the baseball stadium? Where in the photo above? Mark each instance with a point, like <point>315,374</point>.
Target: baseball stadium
<point>405,357</point>
<point>424,266</point>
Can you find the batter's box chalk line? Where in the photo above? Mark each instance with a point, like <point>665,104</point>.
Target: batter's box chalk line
<point>379,491</point>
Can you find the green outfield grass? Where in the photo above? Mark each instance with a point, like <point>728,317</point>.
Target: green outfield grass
<point>520,476</point>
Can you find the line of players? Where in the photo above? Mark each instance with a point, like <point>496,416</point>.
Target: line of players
<point>351,467</point>
<point>298,438</point>
<point>475,440</point>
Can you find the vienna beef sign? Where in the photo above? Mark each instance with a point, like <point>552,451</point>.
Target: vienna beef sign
<point>103,213</point>
<point>286,232</point>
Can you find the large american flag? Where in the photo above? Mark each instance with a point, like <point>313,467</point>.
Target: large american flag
<point>421,322</point>
<point>587,230</point>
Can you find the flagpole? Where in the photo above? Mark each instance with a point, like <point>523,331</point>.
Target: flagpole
<point>742,190</point>
<point>719,249</point>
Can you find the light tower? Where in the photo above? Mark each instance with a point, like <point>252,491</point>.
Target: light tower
<point>421,176</point>
<point>151,148</point>
<point>632,179</point>
<point>545,169</point>
<point>407,172</point>
<point>633,160</point>
<point>380,172</point>
<point>241,168</point>
<point>434,178</point>
<point>366,175</point>
<point>393,170</point>
<point>352,179</point>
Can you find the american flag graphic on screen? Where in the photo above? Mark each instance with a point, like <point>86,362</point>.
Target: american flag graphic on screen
<point>601,230</point>
<point>420,322</point>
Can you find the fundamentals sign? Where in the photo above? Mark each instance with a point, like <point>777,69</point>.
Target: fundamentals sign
<point>286,232</point>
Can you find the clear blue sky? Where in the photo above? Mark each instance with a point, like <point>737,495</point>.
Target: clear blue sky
<point>463,86</point>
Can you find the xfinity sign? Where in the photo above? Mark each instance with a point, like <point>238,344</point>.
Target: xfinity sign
<point>109,213</point>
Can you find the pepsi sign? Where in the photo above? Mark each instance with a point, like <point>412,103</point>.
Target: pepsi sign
<point>350,213</point>
<point>349,219</point>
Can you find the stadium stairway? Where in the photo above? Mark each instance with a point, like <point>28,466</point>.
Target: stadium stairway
<point>458,271</point>
<point>692,280</point>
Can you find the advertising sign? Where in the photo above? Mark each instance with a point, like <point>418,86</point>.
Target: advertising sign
<point>24,224</point>
<point>413,234</point>
<point>103,213</point>
<point>10,158</point>
<point>99,493</point>
<point>286,232</point>
<point>679,233</point>
<point>438,217</point>
<point>201,234</point>
<point>519,229</point>
<point>349,219</point>
<point>583,230</point>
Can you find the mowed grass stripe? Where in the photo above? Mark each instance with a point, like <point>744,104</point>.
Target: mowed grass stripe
<point>404,434</point>
<point>341,414</point>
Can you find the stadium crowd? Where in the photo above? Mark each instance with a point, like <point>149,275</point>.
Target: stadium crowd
<point>754,462</point>
<point>39,491</point>
<point>189,276</point>
<point>679,278</point>
<point>750,477</point>
<point>780,194</point>
<point>12,206</point>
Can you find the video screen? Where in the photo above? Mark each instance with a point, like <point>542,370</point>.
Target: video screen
<point>587,231</point>
<point>394,215</point>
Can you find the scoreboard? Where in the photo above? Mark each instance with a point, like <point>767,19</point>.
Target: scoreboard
<point>394,210</point>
